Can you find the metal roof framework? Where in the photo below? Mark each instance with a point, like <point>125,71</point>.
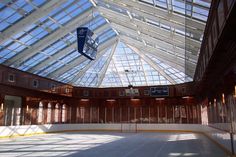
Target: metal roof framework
<point>155,41</point>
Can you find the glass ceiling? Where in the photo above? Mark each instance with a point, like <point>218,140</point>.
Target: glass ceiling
<point>142,42</point>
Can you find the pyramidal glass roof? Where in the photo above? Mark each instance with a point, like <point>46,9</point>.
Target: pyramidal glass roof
<point>129,68</point>
<point>142,42</point>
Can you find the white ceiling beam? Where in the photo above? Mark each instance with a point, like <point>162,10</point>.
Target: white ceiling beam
<point>41,44</point>
<point>153,64</point>
<point>116,72</point>
<point>180,66</point>
<point>169,59</point>
<point>81,59</point>
<point>154,2</point>
<point>158,14</point>
<point>50,59</point>
<point>147,49</point>
<point>86,68</point>
<point>83,71</point>
<point>103,71</point>
<point>144,71</point>
<point>28,20</point>
<point>151,30</point>
<point>68,66</point>
<point>155,41</point>
<point>158,44</point>
<point>169,5</point>
<point>64,51</point>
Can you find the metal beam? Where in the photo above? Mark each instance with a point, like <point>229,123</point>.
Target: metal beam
<point>65,51</point>
<point>152,64</point>
<point>32,18</point>
<point>59,33</point>
<point>79,60</point>
<point>105,67</point>
<point>83,71</point>
<point>48,60</point>
<point>169,5</point>
<point>117,72</point>
<point>157,14</point>
<point>173,61</point>
<point>154,41</point>
<point>150,30</point>
<point>183,55</point>
<point>171,51</point>
<point>158,52</point>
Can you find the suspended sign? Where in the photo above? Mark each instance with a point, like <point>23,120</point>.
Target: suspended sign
<point>87,42</point>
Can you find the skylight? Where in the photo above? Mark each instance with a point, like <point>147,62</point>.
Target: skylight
<point>143,42</point>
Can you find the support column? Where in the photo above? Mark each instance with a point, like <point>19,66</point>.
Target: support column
<point>52,112</point>
<point>73,115</point>
<point>187,114</point>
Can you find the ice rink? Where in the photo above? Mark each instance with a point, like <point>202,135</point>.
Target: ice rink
<point>111,144</point>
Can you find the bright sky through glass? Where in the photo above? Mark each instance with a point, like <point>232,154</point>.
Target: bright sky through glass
<point>139,45</point>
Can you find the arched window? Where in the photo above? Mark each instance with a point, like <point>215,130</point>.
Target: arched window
<point>82,113</point>
<point>49,113</point>
<point>56,117</point>
<point>63,113</point>
<point>40,112</point>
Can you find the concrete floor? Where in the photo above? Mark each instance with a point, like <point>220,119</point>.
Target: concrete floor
<point>111,144</point>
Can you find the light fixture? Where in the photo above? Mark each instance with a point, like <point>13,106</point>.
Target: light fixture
<point>110,100</point>
<point>186,97</point>
<point>27,108</point>
<point>84,99</point>
<point>134,99</point>
<point>160,98</point>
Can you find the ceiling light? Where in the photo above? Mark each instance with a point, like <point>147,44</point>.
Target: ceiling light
<point>84,99</point>
<point>160,98</point>
<point>111,100</point>
<point>133,99</point>
<point>187,97</point>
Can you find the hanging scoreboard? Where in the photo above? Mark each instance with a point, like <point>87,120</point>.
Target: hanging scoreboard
<point>87,42</point>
